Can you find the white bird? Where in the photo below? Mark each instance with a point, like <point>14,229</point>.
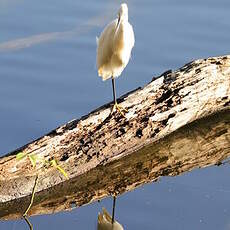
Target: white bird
<point>105,222</point>
<point>114,48</point>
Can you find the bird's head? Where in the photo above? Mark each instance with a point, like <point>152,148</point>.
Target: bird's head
<point>123,12</point>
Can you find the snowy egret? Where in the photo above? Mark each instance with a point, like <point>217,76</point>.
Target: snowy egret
<point>105,222</point>
<point>114,48</point>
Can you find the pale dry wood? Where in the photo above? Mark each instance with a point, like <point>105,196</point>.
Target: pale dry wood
<point>177,122</point>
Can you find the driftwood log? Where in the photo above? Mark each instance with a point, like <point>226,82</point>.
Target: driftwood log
<point>177,122</point>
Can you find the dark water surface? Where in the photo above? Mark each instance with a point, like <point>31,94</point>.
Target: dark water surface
<point>48,77</point>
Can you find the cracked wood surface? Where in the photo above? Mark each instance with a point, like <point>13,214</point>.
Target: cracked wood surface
<point>177,122</point>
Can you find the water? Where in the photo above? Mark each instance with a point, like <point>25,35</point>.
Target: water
<point>48,77</point>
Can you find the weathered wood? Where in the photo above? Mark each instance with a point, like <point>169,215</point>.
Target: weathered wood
<point>177,122</point>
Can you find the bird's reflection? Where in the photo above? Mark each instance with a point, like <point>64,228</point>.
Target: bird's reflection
<point>108,222</point>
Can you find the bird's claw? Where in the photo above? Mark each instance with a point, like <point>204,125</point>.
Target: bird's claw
<point>120,109</point>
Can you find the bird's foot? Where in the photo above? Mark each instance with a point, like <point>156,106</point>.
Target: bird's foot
<point>119,108</point>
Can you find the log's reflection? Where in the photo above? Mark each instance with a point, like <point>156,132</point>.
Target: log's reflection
<point>199,144</point>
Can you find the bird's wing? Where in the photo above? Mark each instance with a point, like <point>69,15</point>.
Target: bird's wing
<point>104,45</point>
<point>132,37</point>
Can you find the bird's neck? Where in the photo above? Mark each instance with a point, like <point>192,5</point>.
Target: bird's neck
<point>120,28</point>
<point>124,18</point>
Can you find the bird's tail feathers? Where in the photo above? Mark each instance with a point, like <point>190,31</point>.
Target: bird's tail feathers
<point>104,73</point>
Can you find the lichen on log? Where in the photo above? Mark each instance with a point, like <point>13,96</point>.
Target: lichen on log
<point>177,122</point>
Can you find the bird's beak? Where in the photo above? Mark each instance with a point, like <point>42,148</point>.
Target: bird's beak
<point>118,22</point>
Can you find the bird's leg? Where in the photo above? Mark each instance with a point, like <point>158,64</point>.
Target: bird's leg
<point>116,106</point>
<point>114,91</point>
<point>113,213</point>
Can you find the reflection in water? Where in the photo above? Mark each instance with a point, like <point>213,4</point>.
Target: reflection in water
<point>105,222</point>
<point>177,153</point>
<point>28,222</point>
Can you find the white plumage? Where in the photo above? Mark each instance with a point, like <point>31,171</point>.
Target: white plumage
<point>115,45</point>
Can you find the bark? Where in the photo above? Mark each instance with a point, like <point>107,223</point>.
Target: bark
<point>177,122</point>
